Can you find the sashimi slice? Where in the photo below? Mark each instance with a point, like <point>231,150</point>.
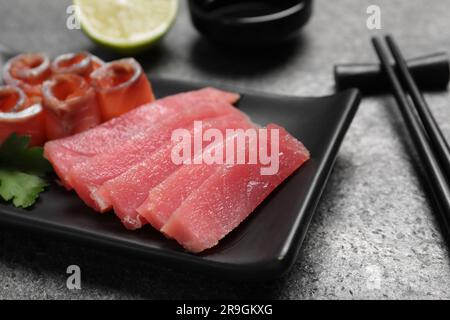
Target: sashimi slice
<point>229,196</point>
<point>65,153</point>
<point>18,115</point>
<point>129,190</point>
<point>121,86</point>
<point>70,104</point>
<point>28,71</point>
<point>89,175</point>
<point>166,197</point>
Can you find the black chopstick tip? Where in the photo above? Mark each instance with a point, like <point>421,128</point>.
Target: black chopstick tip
<point>392,45</point>
<point>376,41</point>
<point>389,38</point>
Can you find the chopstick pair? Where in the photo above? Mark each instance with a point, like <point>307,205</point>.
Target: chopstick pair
<point>424,130</point>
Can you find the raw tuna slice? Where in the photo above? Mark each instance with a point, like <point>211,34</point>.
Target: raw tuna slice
<point>89,175</point>
<point>67,152</point>
<point>130,189</point>
<point>226,198</point>
<point>166,197</point>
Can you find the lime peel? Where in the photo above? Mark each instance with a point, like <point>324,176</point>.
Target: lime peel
<point>126,25</point>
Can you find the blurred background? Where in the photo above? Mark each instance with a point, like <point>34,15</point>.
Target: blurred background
<point>374,234</point>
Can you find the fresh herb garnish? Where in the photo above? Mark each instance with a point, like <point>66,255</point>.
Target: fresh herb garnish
<point>22,188</point>
<point>21,171</point>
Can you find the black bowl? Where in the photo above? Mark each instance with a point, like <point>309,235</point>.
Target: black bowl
<point>250,22</point>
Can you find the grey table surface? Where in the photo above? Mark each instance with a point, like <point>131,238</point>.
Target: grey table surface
<point>374,234</point>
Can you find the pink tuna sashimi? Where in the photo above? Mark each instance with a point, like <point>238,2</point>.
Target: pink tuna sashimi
<point>65,153</point>
<point>229,196</point>
<point>166,197</point>
<point>92,173</point>
<point>130,189</point>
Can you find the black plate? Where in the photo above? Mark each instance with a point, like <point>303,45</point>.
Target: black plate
<point>266,244</point>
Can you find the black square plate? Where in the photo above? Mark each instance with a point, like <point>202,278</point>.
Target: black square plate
<point>262,247</point>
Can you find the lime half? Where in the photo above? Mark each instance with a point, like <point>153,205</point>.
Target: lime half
<point>128,26</point>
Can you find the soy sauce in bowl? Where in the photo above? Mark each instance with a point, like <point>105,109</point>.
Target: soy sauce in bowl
<point>250,22</point>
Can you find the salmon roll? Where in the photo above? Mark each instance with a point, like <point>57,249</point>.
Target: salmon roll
<point>121,86</point>
<point>28,71</point>
<point>82,64</point>
<point>70,106</point>
<point>18,115</point>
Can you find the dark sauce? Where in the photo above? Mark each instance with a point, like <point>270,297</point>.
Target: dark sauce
<point>246,8</point>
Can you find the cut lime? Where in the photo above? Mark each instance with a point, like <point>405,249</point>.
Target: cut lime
<point>128,26</point>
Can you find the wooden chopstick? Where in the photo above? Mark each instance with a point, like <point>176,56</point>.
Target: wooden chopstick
<point>437,139</point>
<point>434,176</point>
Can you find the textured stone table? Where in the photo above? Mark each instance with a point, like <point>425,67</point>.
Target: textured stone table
<point>374,234</point>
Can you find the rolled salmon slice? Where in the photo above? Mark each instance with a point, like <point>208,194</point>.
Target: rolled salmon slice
<point>130,189</point>
<point>82,64</point>
<point>28,71</point>
<point>228,197</point>
<point>111,135</point>
<point>70,104</point>
<point>18,115</point>
<point>121,86</point>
